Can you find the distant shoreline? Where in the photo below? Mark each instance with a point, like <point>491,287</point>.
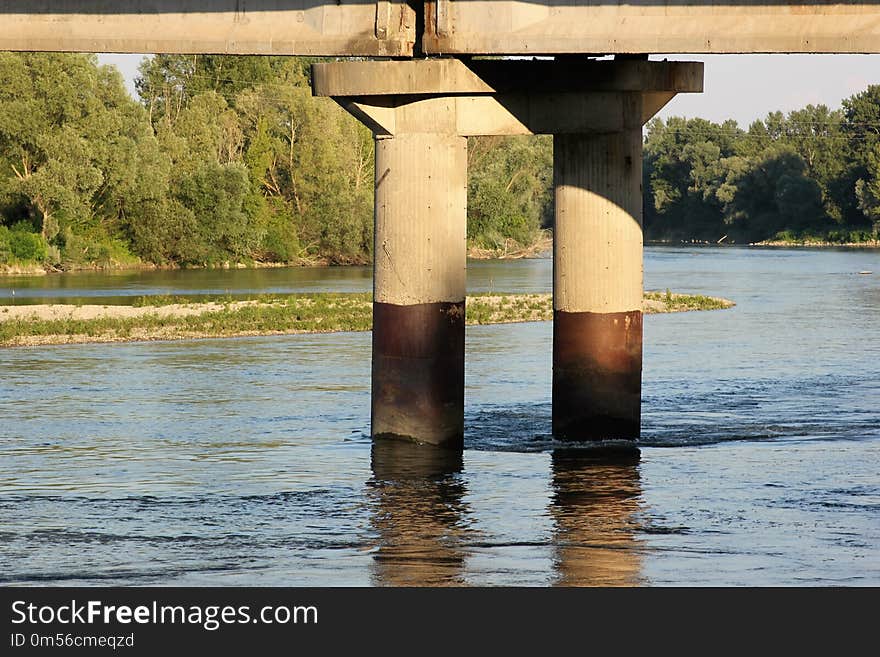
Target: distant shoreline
<point>52,324</point>
<point>509,251</point>
<point>871,244</point>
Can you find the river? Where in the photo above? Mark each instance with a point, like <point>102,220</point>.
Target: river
<point>247,461</point>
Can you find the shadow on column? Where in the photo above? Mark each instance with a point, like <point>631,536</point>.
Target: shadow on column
<point>597,285</point>
<point>595,499</point>
<point>416,493</point>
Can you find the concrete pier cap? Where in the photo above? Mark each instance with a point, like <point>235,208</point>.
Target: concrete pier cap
<point>505,96</point>
<point>421,112</point>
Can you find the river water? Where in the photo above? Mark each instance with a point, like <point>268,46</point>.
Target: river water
<point>247,461</point>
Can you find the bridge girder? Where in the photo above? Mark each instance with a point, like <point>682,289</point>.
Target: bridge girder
<point>400,28</point>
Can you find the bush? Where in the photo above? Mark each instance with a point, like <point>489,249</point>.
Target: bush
<point>280,244</point>
<point>216,194</point>
<point>5,249</point>
<point>93,247</point>
<point>508,189</point>
<point>21,245</point>
<point>786,236</point>
<point>844,236</point>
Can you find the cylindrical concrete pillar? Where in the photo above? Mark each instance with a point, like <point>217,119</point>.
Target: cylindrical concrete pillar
<point>419,288</point>
<point>597,286</point>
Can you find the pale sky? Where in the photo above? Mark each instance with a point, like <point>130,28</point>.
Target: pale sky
<point>740,87</point>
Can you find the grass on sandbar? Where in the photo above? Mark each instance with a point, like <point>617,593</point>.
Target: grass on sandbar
<point>681,302</point>
<point>276,314</point>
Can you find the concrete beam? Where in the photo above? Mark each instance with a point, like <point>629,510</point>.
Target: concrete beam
<point>256,27</point>
<point>388,27</point>
<point>504,97</point>
<point>550,113</point>
<point>653,102</point>
<point>502,114</point>
<point>536,27</point>
<point>378,114</point>
<point>479,77</point>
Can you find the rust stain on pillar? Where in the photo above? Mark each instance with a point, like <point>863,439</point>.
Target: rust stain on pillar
<point>418,372</point>
<point>597,375</point>
<point>597,331</point>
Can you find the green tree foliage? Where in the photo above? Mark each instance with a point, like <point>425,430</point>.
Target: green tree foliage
<point>772,194</point>
<point>868,190</point>
<point>686,161</point>
<point>208,215</point>
<point>861,124</point>
<point>308,165</point>
<point>78,161</point>
<point>509,187</point>
<point>314,164</point>
<point>862,128</point>
<point>812,173</point>
<point>226,159</point>
<point>168,82</point>
<point>230,159</point>
<point>20,244</point>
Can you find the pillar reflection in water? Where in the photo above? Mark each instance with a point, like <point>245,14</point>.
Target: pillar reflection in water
<point>416,495</point>
<point>595,502</point>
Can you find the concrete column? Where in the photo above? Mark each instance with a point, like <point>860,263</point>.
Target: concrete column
<point>419,288</point>
<point>597,286</point>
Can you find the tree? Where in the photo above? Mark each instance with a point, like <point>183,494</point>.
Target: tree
<point>861,125</point>
<point>232,159</point>
<point>815,134</point>
<point>78,156</point>
<point>314,165</point>
<point>167,83</point>
<point>770,195</point>
<point>868,190</point>
<point>684,168</point>
<point>211,183</point>
<point>509,189</point>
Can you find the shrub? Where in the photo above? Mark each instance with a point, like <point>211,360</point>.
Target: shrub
<point>94,247</point>
<point>5,249</point>
<point>26,246</point>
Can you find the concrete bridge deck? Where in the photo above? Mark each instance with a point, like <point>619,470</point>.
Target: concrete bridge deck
<point>440,27</point>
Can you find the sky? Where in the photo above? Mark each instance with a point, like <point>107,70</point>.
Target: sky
<point>739,87</point>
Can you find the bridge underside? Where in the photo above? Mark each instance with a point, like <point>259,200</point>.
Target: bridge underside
<point>440,27</point>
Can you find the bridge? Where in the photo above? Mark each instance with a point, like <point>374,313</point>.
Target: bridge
<point>426,96</point>
<point>398,28</point>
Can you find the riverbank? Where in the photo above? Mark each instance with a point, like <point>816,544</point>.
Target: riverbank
<point>513,250</point>
<point>32,269</point>
<point>163,318</point>
<point>869,244</point>
<point>510,250</point>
